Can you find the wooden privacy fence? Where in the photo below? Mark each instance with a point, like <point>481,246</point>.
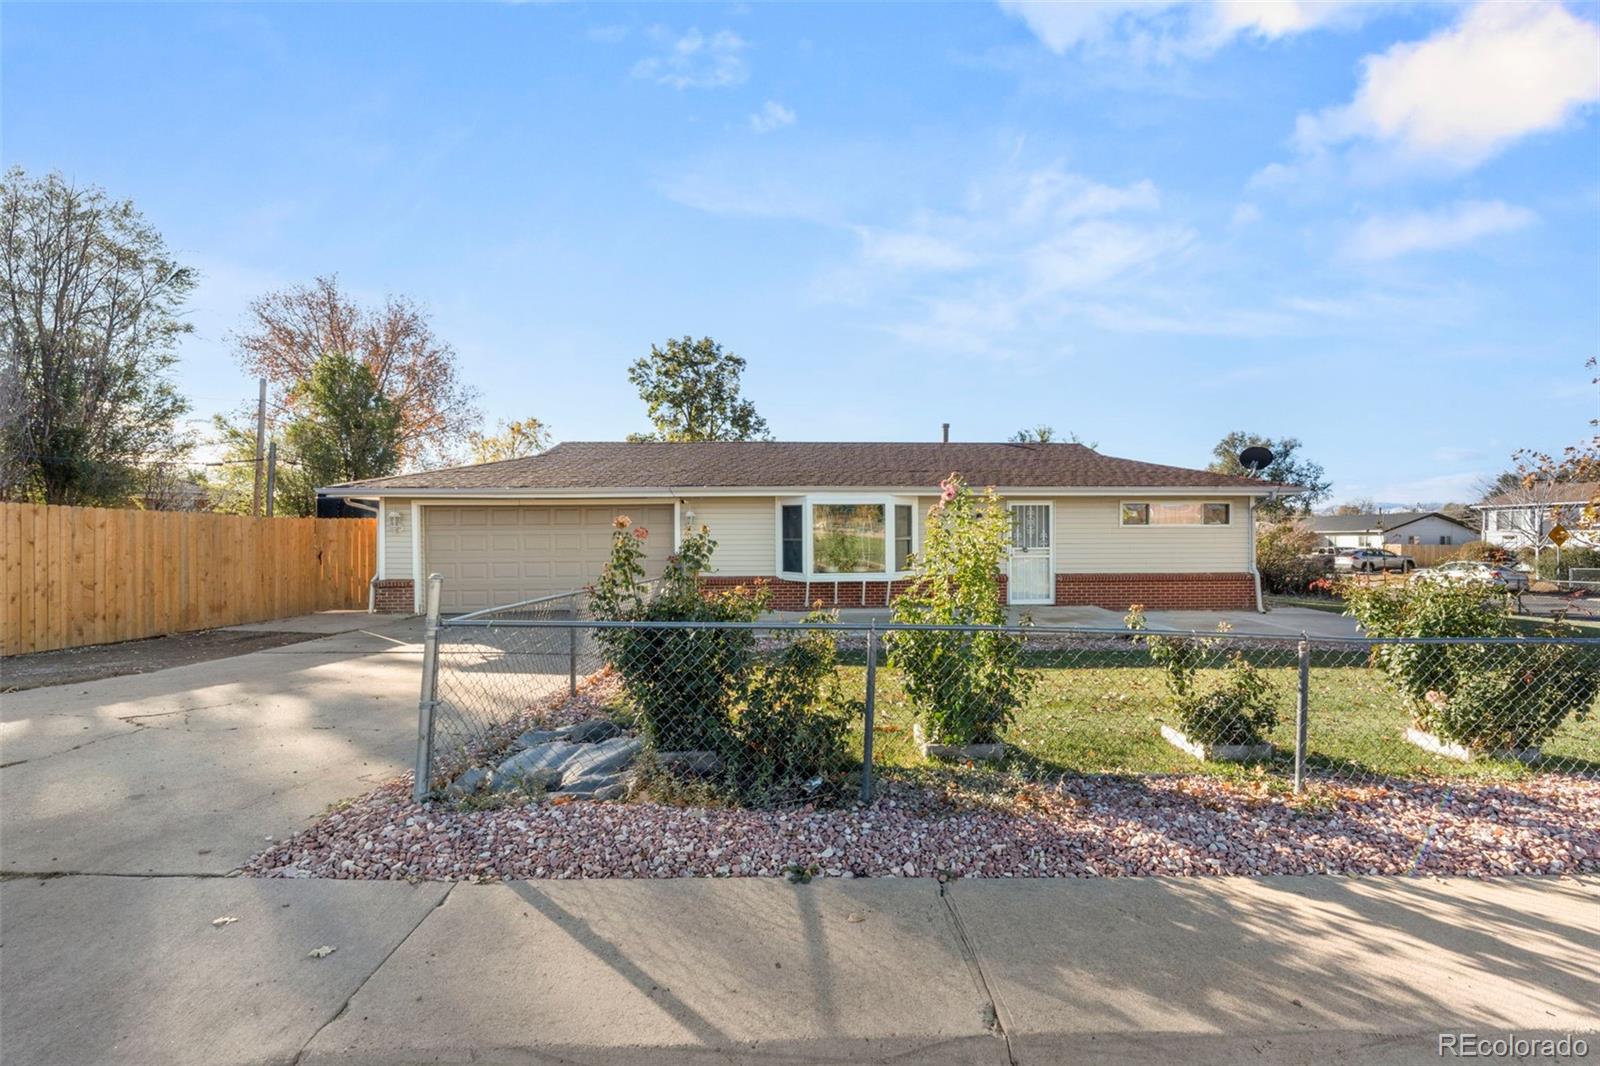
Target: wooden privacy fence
<point>1427,554</point>
<point>90,575</point>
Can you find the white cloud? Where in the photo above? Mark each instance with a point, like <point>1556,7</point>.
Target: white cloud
<point>1246,214</point>
<point>1163,30</point>
<point>1504,71</point>
<point>1388,236</point>
<point>696,61</point>
<point>911,251</point>
<point>772,116</point>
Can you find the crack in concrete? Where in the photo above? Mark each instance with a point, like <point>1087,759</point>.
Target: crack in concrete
<point>345,1006</point>
<point>998,1017</point>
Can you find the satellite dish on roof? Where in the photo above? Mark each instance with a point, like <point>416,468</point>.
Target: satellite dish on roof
<point>1256,459</point>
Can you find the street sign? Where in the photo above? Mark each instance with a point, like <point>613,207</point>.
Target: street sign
<point>1559,535</point>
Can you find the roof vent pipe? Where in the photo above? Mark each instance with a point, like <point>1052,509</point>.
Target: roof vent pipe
<point>945,426</point>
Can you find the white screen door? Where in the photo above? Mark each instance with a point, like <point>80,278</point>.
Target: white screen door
<point>1030,578</point>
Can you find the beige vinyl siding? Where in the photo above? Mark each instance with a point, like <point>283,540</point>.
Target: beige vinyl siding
<point>396,546</point>
<point>1090,539</point>
<point>746,531</point>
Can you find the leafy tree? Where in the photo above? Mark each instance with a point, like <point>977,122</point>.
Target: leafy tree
<point>1044,434</point>
<point>510,440</point>
<point>1359,505</point>
<point>345,429</point>
<point>89,327</point>
<point>965,685</point>
<point>349,429</point>
<point>1287,468</point>
<point>691,392</point>
<point>290,330</point>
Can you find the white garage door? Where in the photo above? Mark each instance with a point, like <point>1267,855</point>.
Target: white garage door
<point>494,555</point>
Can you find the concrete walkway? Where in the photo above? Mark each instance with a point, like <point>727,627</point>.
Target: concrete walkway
<point>131,970</point>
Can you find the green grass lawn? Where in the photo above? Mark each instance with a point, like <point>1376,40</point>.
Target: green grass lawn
<point>1103,715</point>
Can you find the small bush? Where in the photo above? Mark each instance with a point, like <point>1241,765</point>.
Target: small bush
<point>1284,559</point>
<point>794,726</point>
<point>1238,709</point>
<point>1582,558</point>
<point>966,686</point>
<point>684,683</point>
<point>1485,696</point>
<point>1481,551</point>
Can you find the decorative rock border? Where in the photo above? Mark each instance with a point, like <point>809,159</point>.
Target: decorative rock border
<point>1080,827</point>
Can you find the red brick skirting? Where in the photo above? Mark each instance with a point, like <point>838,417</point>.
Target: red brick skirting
<point>394,595</point>
<point>1158,592</point>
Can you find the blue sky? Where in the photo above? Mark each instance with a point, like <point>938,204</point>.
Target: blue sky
<point>1374,227</point>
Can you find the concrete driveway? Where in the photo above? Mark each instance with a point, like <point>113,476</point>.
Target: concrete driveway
<point>190,770</point>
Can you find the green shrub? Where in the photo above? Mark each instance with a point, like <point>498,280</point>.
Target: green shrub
<point>793,728</point>
<point>966,686</point>
<point>1237,709</point>
<point>1582,558</point>
<point>1485,696</point>
<point>684,683</point>
<point>780,728</point>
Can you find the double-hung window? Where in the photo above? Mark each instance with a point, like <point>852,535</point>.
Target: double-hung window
<point>793,539</point>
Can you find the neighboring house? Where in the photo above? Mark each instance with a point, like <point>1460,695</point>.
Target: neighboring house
<point>835,522</point>
<point>1524,517</point>
<point>1394,527</point>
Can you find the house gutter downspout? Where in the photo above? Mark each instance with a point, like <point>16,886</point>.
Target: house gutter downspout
<point>1255,573</point>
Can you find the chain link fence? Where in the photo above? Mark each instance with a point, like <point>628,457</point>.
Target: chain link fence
<point>537,700</point>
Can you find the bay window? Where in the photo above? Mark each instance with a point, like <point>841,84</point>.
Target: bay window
<point>837,538</point>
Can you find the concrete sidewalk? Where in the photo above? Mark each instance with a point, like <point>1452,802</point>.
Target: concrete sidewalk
<point>130,970</point>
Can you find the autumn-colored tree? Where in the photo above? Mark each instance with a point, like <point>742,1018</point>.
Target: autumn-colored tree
<point>510,440</point>
<point>290,330</point>
<point>1576,464</point>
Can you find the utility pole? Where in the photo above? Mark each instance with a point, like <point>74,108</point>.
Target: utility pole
<point>272,476</point>
<point>261,437</point>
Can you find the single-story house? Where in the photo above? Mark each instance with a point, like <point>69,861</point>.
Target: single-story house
<point>835,522</point>
<point>1524,517</point>
<point>1393,527</point>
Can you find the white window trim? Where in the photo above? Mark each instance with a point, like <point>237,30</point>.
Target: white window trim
<point>805,502</point>
<point>1172,525</point>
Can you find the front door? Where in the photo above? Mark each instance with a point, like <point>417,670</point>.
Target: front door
<point>1031,577</point>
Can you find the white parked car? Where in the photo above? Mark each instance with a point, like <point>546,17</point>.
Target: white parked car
<point>1371,560</point>
<point>1464,572</point>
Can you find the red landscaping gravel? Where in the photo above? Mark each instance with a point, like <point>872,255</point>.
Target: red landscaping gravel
<point>1083,827</point>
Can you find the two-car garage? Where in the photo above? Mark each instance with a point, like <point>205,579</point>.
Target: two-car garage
<point>490,555</point>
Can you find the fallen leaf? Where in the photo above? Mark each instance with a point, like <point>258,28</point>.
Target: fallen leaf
<point>321,953</point>
<point>226,919</point>
<point>854,917</point>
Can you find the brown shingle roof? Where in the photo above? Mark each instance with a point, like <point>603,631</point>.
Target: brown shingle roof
<point>578,465</point>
